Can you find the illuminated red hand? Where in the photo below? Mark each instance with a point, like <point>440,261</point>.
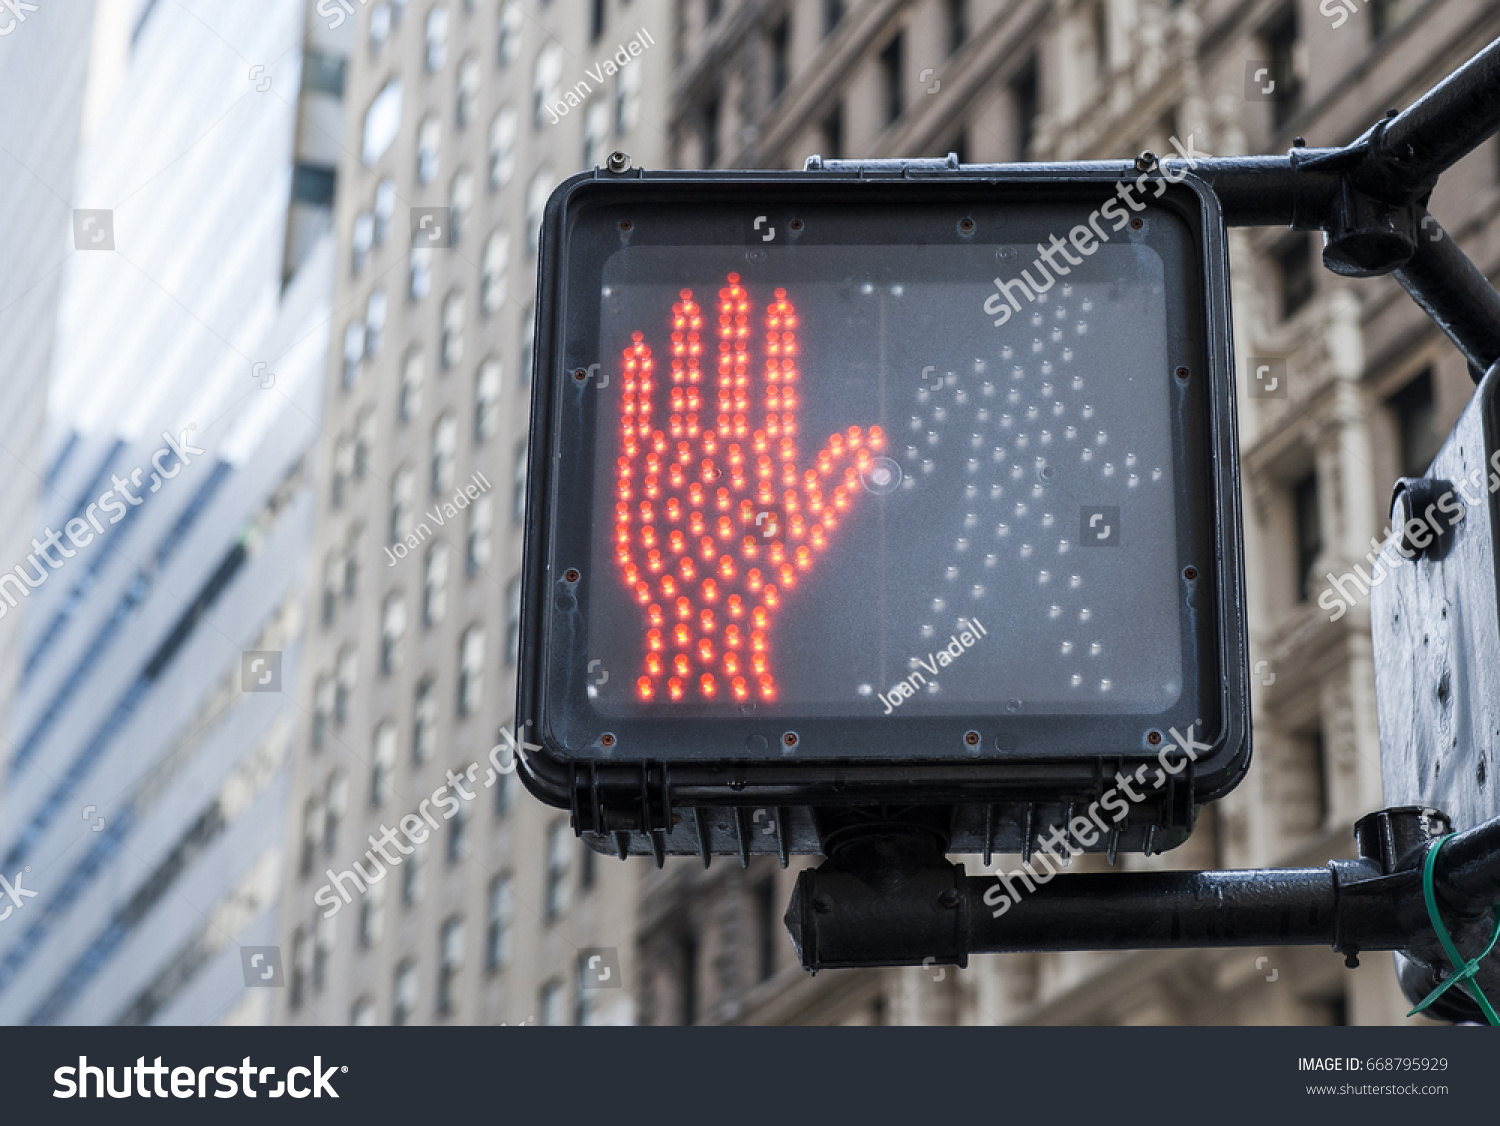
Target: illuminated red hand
<point>714,522</point>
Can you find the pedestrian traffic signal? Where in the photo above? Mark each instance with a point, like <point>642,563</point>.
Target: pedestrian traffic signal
<point>852,490</point>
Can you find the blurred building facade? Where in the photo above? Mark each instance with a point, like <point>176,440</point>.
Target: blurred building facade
<point>1372,389</point>
<point>146,768</point>
<point>479,905</point>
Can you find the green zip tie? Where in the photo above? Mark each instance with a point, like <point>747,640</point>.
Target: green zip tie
<point>1462,969</point>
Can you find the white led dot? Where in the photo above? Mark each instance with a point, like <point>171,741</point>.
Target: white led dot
<point>927,465</point>
<point>1062,547</point>
<point>1078,383</point>
<point>1067,647</point>
<point>1002,530</point>
<point>926,631</point>
<point>973,465</point>
<point>991,559</point>
<point>939,414</point>
<point>961,397</point>
<point>976,440</point>
<point>1037,491</point>
<point>1014,396</point>
<point>1075,581</point>
<point>976,591</point>
<point>938,606</point>
<point>1055,611</point>
<point>865,690</point>
<point>982,414</point>
<point>1037,345</point>
<point>1016,472</point>
<point>1025,550</point>
<point>1056,334</point>
<point>951,574</point>
<point>1070,433</point>
<point>897,291</point>
<point>1007,352</point>
<point>1084,614</point>
<point>1006,420</point>
<point>916,422</point>
<point>1046,519</point>
<point>1105,685</point>
<point>1130,461</point>
<point>1134,480</point>
<point>960,546</point>
<point>1109,470</point>
<point>1043,577</point>
<point>1047,437</point>
<point>1020,508</point>
<point>1082,328</point>
<point>1088,411</point>
<point>1156,475</point>
<point>1088,454</point>
<point>911,452</point>
<point>1036,318</point>
<point>932,437</point>
<point>971,519</point>
<point>971,491</point>
<point>996,491</point>
<point>1077,680</point>
<point>1088,305</point>
<point>867,288</point>
<point>1022,441</point>
<point>1103,438</point>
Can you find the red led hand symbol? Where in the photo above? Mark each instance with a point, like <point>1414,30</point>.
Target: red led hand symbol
<point>714,522</point>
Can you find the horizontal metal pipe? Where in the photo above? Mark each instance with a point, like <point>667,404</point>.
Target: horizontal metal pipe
<point>1144,910</point>
<point>1467,873</point>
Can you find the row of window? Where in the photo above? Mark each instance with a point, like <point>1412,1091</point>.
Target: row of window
<point>312,947</point>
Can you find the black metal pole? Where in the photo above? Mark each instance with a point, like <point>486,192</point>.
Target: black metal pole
<point>1443,280</point>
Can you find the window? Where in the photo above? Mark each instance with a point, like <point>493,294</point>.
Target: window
<point>363,241</point>
<point>353,552</point>
<point>1308,530</point>
<point>420,283</point>
<point>708,133</point>
<point>429,144</point>
<point>343,469</point>
<point>518,488</point>
<point>1100,30</point>
<point>424,723</point>
<point>380,28</point>
<point>486,400</point>
<point>435,584</point>
<point>354,353</point>
<point>536,202</point>
<point>411,880</point>
<point>1294,264</point>
<point>1416,413</point>
<point>627,99</point>
<point>325,935</point>
<point>437,38</point>
<point>444,449</point>
<point>513,620</point>
<point>501,916</point>
<point>477,541</point>
<point>468,91</point>
<point>385,210</point>
<point>452,349</point>
<point>510,33</point>
<point>492,272</point>
<point>392,629</point>
<point>458,832</point>
<point>687,978</point>
<point>832,129</point>
<point>595,133</point>
<point>405,992</point>
<point>596,20</point>
<point>504,793</point>
<point>362,1014</point>
<point>545,78</point>
<point>382,122</point>
<point>322,710</point>
<point>768,929</point>
<point>332,573</point>
<point>460,203</point>
<point>833,14</point>
<point>1280,37</point>
<point>403,486</point>
<point>502,148</point>
<point>559,852</point>
<point>383,763</point>
<point>588,869</point>
<point>297,982</point>
<point>345,684</point>
<point>550,1003</point>
<point>958,24</point>
<point>470,670</point>
<point>375,309</point>
<point>712,9</point>
<point>450,961</point>
<point>890,70</point>
<point>528,339</point>
<point>780,45</point>
<point>1384,15</point>
<point>312,831</point>
<point>335,802</point>
<point>1416,418</point>
<point>584,979</point>
<point>413,375</point>
<point>364,442</point>
<point>1024,96</point>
